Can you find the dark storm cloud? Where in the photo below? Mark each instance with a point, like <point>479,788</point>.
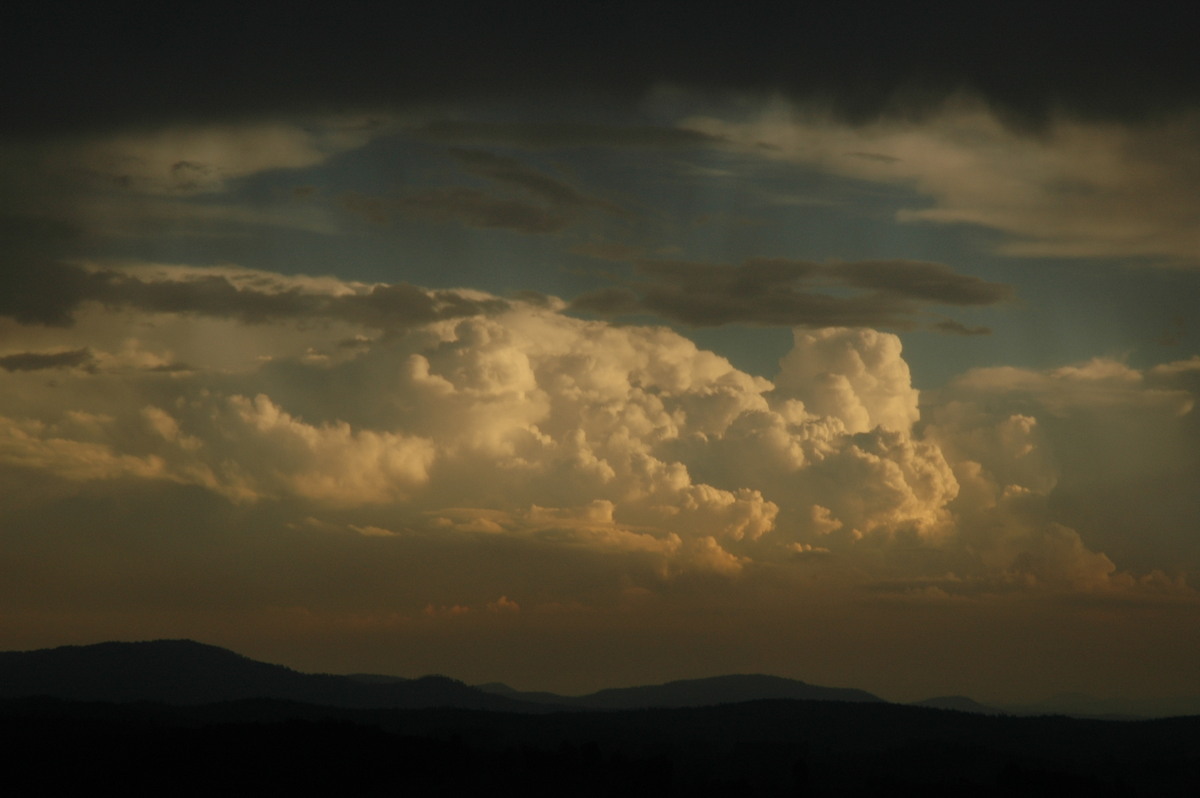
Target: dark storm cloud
<point>208,296</point>
<point>755,277</point>
<point>71,65</point>
<point>760,292</point>
<point>36,361</point>
<point>785,308</point>
<point>50,293</point>
<point>923,280</point>
<point>404,305</point>
<point>768,292</point>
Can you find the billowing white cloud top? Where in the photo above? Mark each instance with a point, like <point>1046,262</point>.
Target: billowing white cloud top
<point>528,424</point>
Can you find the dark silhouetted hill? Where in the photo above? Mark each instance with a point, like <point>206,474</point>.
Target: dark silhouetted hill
<point>718,690</point>
<point>958,703</point>
<point>181,718</point>
<point>186,672</point>
<point>756,748</point>
<point>1081,705</point>
<point>690,693</point>
<point>533,696</point>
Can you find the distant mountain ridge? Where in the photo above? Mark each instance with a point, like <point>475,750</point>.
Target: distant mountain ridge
<point>958,703</point>
<point>186,672</point>
<point>732,689</point>
<point>753,748</point>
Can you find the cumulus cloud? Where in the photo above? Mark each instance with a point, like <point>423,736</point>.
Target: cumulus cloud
<point>64,450</point>
<point>764,291</point>
<point>1178,367</point>
<point>525,424</point>
<point>329,462</point>
<point>855,375</point>
<point>1097,384</point>
<point>1091,451</point>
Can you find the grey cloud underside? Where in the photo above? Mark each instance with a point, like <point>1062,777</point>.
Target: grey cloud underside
<point>782,292</point>
<point>50,293</point>
<point>37,361</point>
<point>934,282</point>
<point>71,65</point>
<point>38,291</point>
<point>958,328</point>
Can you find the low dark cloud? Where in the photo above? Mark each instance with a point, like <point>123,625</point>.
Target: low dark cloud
<point>404,305</point>
<point>50,293</point>
<point>72,65</point>
<point>958,328</point>
<point>40,291</point>
<point>935,282</point>
<point>209,296</point>
<point>37,361</point>
<point>781,292</point>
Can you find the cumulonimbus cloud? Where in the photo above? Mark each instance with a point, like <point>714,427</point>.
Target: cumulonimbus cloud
<point>524,422</point>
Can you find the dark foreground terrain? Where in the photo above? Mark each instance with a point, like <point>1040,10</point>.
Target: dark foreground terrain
<point>256,747</point>
<point>176,717</point>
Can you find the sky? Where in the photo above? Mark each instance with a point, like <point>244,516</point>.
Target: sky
<point>608,344</point>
